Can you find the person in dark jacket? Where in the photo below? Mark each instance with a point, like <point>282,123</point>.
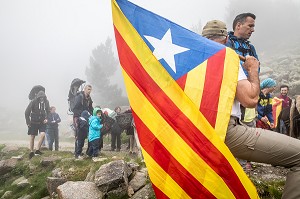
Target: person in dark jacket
<point>36,119</point>
<point>52,128</point>
<point>264,105</point>
<point>83,101</point>
<point>116,133</point>
<point>81,133</point>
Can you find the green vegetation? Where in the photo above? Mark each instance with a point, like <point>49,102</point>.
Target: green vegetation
<point>74,170</point>
<point>269,189</point>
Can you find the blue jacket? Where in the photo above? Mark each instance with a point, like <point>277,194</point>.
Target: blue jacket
<point>95,126</point>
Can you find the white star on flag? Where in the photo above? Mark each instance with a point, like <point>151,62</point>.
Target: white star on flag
<point>165,49</point>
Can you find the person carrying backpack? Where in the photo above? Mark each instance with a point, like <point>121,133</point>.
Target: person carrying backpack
<point>83,101</point>
<point>81,133</point>
<point>243,27</point>
<point>36,119</point>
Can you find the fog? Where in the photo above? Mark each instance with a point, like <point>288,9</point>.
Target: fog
<point>49,42</point>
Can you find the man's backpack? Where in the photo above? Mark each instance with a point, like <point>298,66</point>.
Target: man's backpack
<point>34,91</point>
<point>75,89</point>
<point>107,123</point>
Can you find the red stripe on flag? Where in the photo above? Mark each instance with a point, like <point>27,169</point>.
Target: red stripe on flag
<point>181,81</point>
<point>168,163</point>
<point>177,120</point>
<point>212,87</point>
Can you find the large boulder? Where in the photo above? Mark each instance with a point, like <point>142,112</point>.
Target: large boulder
<point>111,176</point>
<point>139,180</point>
<point>79,190</point>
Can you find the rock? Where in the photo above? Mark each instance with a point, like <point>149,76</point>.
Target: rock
<point>132,167</point>
<point>25,197</point>
<point>90,177</point>
<point>49,161</point>
<point>120,192</point>
<point>57,173</point>
<point>79,190</point>
<point>138,181</point>
<point>146,192</point>
<point>112,175</point>
<point>7,165</point>
<point>8,149</point>
<point>7,195</point>
<point>130,191</point>
<point>21,182</point>
<point>47,197</point>
<point>53,183</point>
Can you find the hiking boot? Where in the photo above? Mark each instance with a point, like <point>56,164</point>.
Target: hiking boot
<point>31,154</point>
<point>38,152</point>
<point>118,150</point>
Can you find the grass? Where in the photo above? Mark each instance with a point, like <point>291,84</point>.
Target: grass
<point>269,190</point>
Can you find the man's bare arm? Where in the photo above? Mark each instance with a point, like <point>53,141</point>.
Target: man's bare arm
<point>248,90</point>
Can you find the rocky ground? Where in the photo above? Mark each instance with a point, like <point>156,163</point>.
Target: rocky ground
<point>56,168</point>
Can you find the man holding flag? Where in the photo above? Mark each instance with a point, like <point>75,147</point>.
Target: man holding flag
<point>181,88</point>
<point>256,144</point>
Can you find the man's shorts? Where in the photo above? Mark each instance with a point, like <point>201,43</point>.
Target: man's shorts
<point>34,129</point>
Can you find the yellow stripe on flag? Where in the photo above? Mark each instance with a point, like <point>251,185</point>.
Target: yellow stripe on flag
<point>195,83</point>
<point>227,93</point>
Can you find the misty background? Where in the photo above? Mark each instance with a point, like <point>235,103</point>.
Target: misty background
<point>51,42</point>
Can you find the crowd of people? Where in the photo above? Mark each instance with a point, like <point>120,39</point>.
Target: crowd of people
<point>90,123</point>
<point>250,134</point>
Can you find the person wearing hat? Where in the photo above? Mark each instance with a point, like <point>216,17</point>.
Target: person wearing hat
<point>264,105</point>
<point>36,119</point>
<point>256,144</point>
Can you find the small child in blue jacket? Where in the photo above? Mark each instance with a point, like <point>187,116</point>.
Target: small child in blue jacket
<point>94,133</point>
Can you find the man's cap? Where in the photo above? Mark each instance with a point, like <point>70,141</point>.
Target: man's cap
<point>214,28</point>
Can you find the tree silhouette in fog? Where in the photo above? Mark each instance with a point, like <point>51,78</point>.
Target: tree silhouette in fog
<point>103,65</point>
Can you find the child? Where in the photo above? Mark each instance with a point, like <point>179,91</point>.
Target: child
<point>81,133</point>
<point>52,128</point>
<point>94,133</point>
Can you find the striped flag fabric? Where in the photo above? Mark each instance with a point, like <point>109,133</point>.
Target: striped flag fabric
<point>276,109</point>
<point>181,87</point>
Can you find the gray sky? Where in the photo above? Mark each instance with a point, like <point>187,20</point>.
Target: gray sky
<point>49,42</point>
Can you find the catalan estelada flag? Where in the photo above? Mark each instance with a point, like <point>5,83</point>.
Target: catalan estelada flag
<point>181,87</point>
<point>276,109</point>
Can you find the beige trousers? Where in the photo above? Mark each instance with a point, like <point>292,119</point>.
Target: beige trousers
<point>260,145</point>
